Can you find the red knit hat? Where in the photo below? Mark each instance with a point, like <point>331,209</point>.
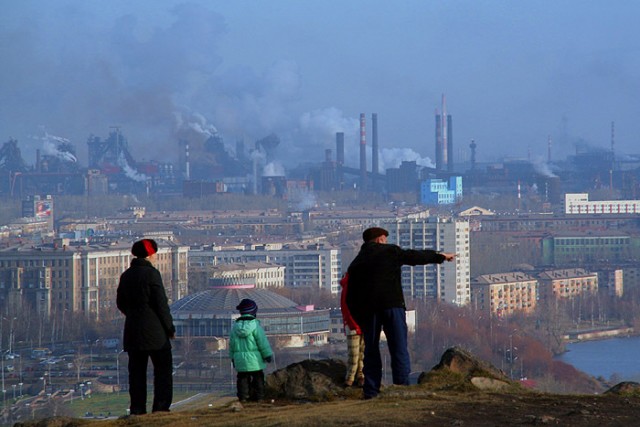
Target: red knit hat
<point>144,248</point>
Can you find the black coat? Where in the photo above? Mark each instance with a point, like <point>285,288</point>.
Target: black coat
<point>142,299</point>
<point>375,277</point>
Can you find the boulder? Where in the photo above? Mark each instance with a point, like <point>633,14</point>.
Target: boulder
<point>460,369</point>
<point>314,380</point>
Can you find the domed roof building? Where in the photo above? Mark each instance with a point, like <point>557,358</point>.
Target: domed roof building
<point>209,315</point>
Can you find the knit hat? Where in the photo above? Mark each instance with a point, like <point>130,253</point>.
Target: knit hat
<point>371,233</point>
<point>144,248</point>
<point>247,306</point>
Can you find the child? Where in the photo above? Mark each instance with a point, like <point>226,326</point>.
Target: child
<point>249,350</point>
<point>355,340</point>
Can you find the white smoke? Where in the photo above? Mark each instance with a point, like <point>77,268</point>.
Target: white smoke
<point>50,148</point>
<point>196,122</point>
<point>303,199</point>
<point>393,157</point>
<point>273,169</point>
<point>129,171</point>
<point>542,168</point>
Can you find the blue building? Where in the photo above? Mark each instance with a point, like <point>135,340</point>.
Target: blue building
<point>441,192</point>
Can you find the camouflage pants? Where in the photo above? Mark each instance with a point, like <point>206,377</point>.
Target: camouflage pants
<point>355,346</point>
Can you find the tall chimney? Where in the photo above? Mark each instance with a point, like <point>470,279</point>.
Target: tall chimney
<point>549,149</point>
<point>187,172</point>
<point>339,159</point>
<point>363,153</point>
<point>374,144</point>
<point>340,148</point>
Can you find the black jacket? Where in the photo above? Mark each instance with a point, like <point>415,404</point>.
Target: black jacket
<point>375,276</point>
<point>142,299</point>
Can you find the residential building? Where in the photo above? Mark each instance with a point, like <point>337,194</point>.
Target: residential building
<point>449,281</point>
<point>312,266</point>
<point>567,283</point>
<point>53,279</point>
<point>504,294</point>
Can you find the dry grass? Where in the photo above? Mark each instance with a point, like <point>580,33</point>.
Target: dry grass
<point>402,406</point>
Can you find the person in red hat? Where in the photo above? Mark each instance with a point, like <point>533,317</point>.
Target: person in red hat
<point>376,302</point>
<point>148,329</point>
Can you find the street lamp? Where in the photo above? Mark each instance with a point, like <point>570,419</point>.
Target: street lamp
<point>118,367</point>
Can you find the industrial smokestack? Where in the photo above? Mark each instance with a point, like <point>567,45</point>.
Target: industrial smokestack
<point>473,147</point>
<point>363,153</point>
<point>340,148</point>
<point>374,143</point>
<point>549,149</point>
<point>339,159</point>
<point>187,172</point>
<point>444,139</point>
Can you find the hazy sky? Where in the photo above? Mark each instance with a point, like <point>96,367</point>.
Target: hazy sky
<point>514,73</point>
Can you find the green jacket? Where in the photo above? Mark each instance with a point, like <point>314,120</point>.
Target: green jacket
<point>248,345</point>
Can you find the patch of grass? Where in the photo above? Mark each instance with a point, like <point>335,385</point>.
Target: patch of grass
<point>115,404</point>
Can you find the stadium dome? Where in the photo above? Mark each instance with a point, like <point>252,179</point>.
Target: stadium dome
<point>210,314</point>
<point>225,299</point>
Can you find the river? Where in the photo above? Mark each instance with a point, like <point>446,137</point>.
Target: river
<point>619,356</point>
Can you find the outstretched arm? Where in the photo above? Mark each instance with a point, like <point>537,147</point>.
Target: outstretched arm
<point>448,256</point>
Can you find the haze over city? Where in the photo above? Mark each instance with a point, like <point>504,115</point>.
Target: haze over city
<point>514,74</point>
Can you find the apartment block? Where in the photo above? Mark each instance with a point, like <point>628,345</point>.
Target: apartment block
<point>53,279</point>
<point>504,293</point>
<point>449,281</point>
<point>567,283</point>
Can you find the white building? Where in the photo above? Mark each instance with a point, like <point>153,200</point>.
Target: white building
<point>449,282</point>
<point>260,274</point>
<point>578,203</point>
<point>312,266</point>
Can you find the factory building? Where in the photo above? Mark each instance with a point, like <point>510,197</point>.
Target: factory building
<point>440,191</point>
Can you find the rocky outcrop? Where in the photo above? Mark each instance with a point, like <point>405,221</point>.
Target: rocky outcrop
<point>460,369</point>
<point>625,388</point>
<point>314,380</point>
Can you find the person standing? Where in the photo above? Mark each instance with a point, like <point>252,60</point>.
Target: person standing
<point>376,302</point>
<point>148,329</point>
<point>249,351</point>
<point>355,340</point>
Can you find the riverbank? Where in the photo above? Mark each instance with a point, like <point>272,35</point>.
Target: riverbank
<point>598,334</point>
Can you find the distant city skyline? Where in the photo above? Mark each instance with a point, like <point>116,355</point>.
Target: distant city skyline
<point>514,74</point>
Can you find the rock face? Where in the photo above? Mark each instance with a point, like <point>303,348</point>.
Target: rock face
<point>625,388</point>
<point>314,380</point>
<point>470,369</point>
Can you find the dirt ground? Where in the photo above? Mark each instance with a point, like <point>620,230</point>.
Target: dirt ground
<point>407,406</point>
